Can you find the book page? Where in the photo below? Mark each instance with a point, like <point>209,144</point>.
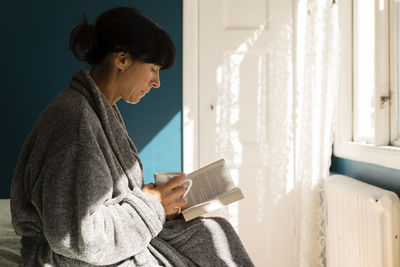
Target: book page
<point>219,196</point>
<point>209,206</point>
<point>208,182</point>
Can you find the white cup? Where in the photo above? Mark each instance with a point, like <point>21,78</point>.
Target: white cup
<point>163,177</point>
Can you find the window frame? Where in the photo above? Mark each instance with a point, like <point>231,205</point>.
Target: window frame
<point>344,146</point>
<point>395,72</point>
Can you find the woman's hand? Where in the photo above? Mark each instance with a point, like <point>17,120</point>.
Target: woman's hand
<point>169,194</point>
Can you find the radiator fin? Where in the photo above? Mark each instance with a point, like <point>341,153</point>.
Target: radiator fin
<point>362,224</point>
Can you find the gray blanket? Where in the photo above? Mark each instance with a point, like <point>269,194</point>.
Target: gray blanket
<point>76,195</point>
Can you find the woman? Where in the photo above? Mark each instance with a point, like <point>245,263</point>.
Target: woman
<point>77,196</point>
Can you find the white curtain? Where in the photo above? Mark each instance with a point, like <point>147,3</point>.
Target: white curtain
<point>301,95</point>
<point>297,81</point>
<point>316,87</point>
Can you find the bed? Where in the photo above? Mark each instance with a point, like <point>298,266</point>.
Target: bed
<point>9,240</point>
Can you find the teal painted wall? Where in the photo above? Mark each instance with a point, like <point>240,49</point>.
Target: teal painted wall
<point>35,66</point>
<point>369,173</point>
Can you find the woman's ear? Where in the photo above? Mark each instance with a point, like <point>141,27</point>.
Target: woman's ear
<point>122,60</point>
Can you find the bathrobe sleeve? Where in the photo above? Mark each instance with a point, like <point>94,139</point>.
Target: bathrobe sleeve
<point>82,219</point>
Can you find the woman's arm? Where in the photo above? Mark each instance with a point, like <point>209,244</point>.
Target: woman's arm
<point>84,218</point>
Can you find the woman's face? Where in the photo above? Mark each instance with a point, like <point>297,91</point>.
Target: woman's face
<point>137,80</point>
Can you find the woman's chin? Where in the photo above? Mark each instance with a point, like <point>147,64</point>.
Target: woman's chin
<point>132,100</point>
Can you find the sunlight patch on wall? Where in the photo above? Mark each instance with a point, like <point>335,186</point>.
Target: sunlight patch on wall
<point>164,151</point>
<point>237,128</point>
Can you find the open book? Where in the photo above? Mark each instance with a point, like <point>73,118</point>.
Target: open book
<point>212,189</point>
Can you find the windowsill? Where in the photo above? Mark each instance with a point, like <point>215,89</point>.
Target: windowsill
<point>386,156</point>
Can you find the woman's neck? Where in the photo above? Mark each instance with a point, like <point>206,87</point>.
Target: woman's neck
<point>104,78</point>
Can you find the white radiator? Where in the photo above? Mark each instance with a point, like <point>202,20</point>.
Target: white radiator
<point>362,224</point>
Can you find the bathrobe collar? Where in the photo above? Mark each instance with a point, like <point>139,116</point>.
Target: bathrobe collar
<point>111,121</point>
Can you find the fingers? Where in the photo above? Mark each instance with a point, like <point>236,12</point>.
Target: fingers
<point>176,200</point>
<point>176,206</point>
<point>174,182</point>
<point>179,191</point>
<point>181,202</point>
<point>178,210</point>
<point>171,194</point>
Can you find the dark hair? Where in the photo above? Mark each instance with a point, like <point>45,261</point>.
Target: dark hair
<point>122,29</point>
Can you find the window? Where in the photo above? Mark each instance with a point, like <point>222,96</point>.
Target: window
<point>368,122</point>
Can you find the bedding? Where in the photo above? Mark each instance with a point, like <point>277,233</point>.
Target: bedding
<point>9,241</point>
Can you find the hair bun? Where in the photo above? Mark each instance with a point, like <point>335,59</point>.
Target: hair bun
<point>83,41</point>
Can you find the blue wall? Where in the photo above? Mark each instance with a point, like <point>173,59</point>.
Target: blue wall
<point>369,173</point>
<point>35,66</point>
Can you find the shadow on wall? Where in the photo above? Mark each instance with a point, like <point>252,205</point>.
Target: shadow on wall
<point>36,65</point>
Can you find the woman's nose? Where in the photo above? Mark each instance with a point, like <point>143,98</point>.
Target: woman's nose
<point>156,82</point>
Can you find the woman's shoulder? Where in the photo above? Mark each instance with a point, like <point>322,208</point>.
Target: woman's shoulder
<point>66,117</point>
<point>68,121</point>
<point>68,105</point>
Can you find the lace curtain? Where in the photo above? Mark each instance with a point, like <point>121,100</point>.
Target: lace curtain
<point>299,102</point>
<point>315,90</point>
<point>296,95</point>
<point>302,90</point>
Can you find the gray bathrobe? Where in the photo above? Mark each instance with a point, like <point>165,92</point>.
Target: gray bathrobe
<point>76,195</point>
